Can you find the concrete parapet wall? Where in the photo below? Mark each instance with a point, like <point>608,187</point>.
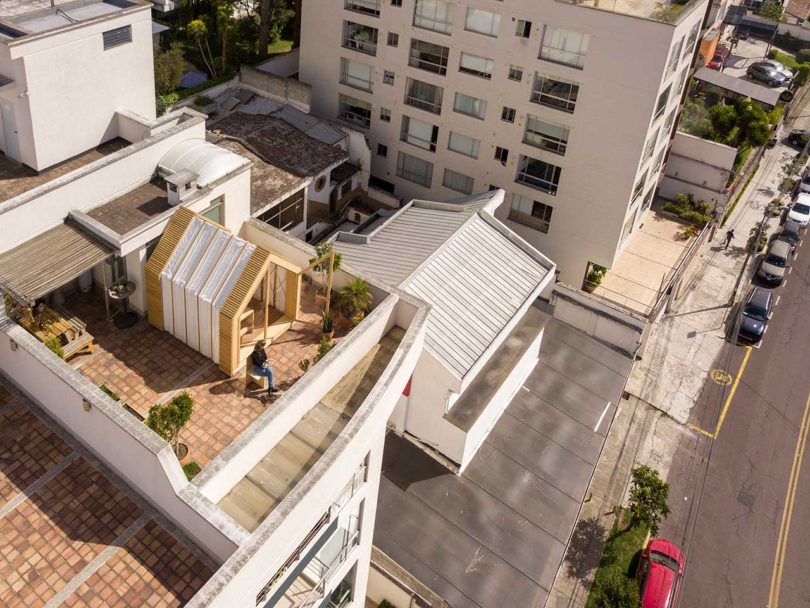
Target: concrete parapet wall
<point>283,90</point>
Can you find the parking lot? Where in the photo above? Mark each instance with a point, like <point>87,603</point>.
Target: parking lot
<point>745,53</point>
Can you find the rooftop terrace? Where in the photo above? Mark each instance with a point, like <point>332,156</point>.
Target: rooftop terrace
<point>22,17</point>
<point>116,552</point>
<point>664,12</point>
<point>16,178</point>
<point>266,484</point>
<point>144,366</point>
<point>134,208</point>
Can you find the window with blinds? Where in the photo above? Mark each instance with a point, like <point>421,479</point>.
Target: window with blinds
<point>117,37</point>
<point>434,15</point>
<point>482,22</point>
<point>463,144</point>
<point>458,181</point>
<point>414,169</point>
<point>418,133</point>
<point>355,74</point>
<point>546,135</point>
<point>475,65</point>
<point>564,46</point>
<point>471,106</point>
<point>424,96</point>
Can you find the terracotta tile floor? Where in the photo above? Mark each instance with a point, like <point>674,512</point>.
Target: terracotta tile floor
<point>60,527</point>
<point>145,366</point>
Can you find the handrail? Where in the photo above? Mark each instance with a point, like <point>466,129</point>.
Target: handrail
<point>319,589</point>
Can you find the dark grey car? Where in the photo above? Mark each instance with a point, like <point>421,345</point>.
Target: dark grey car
<point>790,234</point>
<point>767,74</point>
<point>755,314</point>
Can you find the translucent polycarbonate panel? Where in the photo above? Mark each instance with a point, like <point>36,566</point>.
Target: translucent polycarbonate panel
<point>171,267</point>
<point>229,257</point>
<point>222,296</point>
<point>198,278</point>
<point>196,249</point>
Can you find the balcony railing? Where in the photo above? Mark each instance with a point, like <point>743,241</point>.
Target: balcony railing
<point>369,7</point>
<point>324,572</point>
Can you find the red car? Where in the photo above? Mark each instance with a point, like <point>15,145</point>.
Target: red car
<point>719,58</point>
<point>660,574</point>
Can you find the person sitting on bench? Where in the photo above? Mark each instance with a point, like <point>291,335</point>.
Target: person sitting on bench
<point>261,367</point>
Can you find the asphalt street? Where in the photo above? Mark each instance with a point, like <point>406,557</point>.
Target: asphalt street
<point>744,463</point>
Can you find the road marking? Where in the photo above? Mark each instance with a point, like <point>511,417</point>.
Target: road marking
<point>604,411</point>
<point>790,269</point>
<point>721,376</point>
<point>525,389</point>
<point>727,404</point>
<point>787,514</point>
<point>784,283</point>
<point>777,301</point>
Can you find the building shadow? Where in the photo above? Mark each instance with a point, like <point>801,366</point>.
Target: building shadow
<point>585,549</point>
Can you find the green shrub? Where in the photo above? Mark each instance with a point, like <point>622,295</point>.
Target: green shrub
<point>55,346</point>
<point>385,604</point>
<point>615,590</point>
<point>771,10</point>
<point>164,102</point>
<point>803,56</point>
<point>696,217</point>
<point>203,100</point>
<point>785,59</point>
<point>186,93</point>
<point>191,469</point>
<point>789,43</point>
<point>109,392</point>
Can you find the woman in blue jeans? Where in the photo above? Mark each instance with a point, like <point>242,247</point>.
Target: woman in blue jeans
<point>261,367</point>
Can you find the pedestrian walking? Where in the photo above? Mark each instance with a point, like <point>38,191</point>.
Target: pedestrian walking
<point>729,238</point>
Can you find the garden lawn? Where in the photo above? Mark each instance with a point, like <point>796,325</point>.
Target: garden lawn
<point>620,550</point>
<point>279,47</point>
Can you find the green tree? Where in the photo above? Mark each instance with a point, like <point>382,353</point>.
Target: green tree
<point>615,590</point>
<point>169,67</point>
<point>771,10</point>
<point>198,31</point>
<point>322,268</point>
<point>225,24</point>
<point>723,118</point>
<point>167,420</point>
<point>666,13</point>
<point>753,122</point>
<point>648,498</point>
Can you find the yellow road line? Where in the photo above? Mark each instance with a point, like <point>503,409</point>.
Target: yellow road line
<point>727,404</point>
<point>787,514</point>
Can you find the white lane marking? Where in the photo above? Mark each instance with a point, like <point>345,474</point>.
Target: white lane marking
<point>777,301</point>
<point>604,411</point>
<point>784,282</point>
<point>525,389</point>
<point>790,269</point>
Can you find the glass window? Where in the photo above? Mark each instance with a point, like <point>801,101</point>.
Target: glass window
<point>287,214</point>
<point>355,74</point>
<point>354,111</point>
<point>396,2</point>
<point>475,65</point>
<point>651,145</point>
<point>215,211</point>
<point>370,7</point>
<point>523,28</point>
<point>359,37</point>
<point>458,181</point>
<point>501,155</point>
<point>663,98</point>
<point>674,55</point>
<point>462,144</point>
<point>639,186</point>
<point>628,225</point>
<point>546,135</point>
<point>414,169</point>
<point>424,96</point>
<point>385,115</point>
<point>531,213</point>
<point>117,37</point>
<point>471,106</point>
<point>418,133</point>
<point>564,46</point>
<point>428,56</point>
<point>670,120</point>
<point>555,92</point>
<point>434,15</point>
<point>382,150</point>
<point>690,41</point>
<point>538,174</point>
<point>681,81</point>
<point>515,73</point>
<point>508,114</point>
<point>388,77</point>
<point>393,39</point>
<point>482,22</point>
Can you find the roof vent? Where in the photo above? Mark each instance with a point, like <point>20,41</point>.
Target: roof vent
<point>180,186</point>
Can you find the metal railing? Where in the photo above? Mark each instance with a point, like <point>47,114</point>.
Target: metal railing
<point>325,571</point>
<point>350,489</point>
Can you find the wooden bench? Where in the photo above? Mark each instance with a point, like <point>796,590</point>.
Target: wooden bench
<point>69,329</point>
<point>253,378</point>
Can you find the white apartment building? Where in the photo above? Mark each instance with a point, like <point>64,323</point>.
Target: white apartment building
<point>567,106</point>
<point>96,192</point>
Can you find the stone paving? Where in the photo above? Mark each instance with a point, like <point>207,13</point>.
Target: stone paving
<point>111,552</point>
<point>145,366</point>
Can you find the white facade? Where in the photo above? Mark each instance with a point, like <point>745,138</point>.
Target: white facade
<point>62,86</point>
<point>603,153</point>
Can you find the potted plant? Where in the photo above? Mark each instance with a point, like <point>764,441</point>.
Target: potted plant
<point>594,277</point>
<point>168,419</point>
<point>204,104</point>
<point>322,267</point>
<point>353,301</point>
<point>327,325</point>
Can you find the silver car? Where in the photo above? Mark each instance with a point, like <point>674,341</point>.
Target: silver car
<point>779,67</point>
<point>773,265</point>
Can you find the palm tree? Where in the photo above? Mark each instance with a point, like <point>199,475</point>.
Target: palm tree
<point>198,30</point>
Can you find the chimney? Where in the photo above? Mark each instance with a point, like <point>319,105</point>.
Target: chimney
<point>180,186</point>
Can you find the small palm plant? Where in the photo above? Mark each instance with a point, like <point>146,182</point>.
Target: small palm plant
<point>354,300</point>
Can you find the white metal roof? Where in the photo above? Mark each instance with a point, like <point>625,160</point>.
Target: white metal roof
<point>473,270</point>
<point>207,160</point>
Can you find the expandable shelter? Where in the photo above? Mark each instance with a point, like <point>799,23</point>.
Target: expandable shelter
<point>200,281</point>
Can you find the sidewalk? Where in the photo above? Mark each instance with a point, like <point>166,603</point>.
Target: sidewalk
<point>665,385</point>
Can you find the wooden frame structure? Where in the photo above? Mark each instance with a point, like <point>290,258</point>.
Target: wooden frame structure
<point>263,265</point>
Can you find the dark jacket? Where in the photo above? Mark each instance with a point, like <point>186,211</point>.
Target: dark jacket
<point>258,357</point>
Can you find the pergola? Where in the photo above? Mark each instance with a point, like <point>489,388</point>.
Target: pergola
<point>201,279</point>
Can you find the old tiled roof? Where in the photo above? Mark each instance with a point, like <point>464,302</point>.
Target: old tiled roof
<point>798,8</point>
<point>281,144</point>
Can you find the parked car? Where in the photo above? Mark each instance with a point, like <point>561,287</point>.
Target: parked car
<point>660,574</point>
<point>783,69</point>
<point>756,312</point>
<point>799,137</point>
<point>804,185</point>
<point>799,211</point>
<point>790,234</point>
<point>719,58</point>
<point>775,134</point>
<point>768,75</point>
<point>774,263</point>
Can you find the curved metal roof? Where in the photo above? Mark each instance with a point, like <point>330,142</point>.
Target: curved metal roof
<point>207,160</point>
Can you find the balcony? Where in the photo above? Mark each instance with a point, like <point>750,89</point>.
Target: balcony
<point>361,38</point>
<point>367,7</point>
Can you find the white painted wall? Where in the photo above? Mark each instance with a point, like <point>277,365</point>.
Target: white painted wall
<point>698,166</point>
<point>72,87</point>
<point>610,125</point>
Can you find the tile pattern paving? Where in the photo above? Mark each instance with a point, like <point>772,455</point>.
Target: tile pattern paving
<point>146,366</point>
<point>63,525</point>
